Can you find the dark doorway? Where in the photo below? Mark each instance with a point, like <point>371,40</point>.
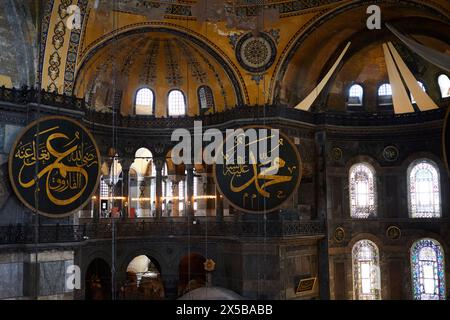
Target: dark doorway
<point>98,280</point>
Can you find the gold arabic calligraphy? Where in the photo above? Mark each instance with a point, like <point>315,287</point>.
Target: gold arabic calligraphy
<point>259,172</point>
<point>62,170</point>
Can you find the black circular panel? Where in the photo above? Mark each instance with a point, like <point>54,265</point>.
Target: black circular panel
<point>54,166</point>
<point>258,187</point>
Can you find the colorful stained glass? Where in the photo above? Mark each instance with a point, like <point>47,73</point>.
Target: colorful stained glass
<point>427,269</point>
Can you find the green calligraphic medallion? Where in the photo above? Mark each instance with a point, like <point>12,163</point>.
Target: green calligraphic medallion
<point>268,173</point>
<point>54,166</point>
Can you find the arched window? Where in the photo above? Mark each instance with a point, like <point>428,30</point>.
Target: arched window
<point>385,94</point>
<point>141,185</point>
<point>423,88</point>
<point>385,90</point>
<point>176,103</point>
<point>355,95</point>
<point>424,190</point>
<point>144,102</point>
<point>428,270</point>
<point>205,98</point>
<point>104,198</point>
<point>366,271</point>
<point>362,191</point>
<point>444,84</point>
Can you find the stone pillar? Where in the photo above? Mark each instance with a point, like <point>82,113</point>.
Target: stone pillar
<point>96,205</point>
<point>126,164</point>
<point>321,214</point>
<point>190,190</point>
<point>175,192</point>
<point>159,163</point>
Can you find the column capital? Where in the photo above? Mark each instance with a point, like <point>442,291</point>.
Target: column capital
<point>126,163</point>
<point>159,163</point>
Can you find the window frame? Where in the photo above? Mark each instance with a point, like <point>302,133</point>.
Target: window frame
<point>412,165</point>
<point>372,212</point>
<point>415,266</point>
<point>153,102</point>
<point>206,87</point>
<point>439,85</point>
<point>362,95</point>
<point>375,283</point>
<point>185,103</point>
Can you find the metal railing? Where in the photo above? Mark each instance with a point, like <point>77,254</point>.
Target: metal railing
<point>25,234</point>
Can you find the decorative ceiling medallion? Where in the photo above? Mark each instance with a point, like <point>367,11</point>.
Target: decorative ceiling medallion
<point>390,153</point>
<point>247,176</point>
<point>339,234</point>
<point>256,54</point>
<point>54,166</point>
<point>393,233</point>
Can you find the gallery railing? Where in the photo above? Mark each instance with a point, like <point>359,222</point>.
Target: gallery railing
<point>26,95</point>
<point>25,234</point>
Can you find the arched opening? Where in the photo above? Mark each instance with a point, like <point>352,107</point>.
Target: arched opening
<point>142,185</point>
<point>192,274</point>
<point>143,280</point>
<point>98,280</point>
<point>205,99</point>
<point>355,95</point>
<point>144,103</point>
<point>176,103</point>
<point>424,191</point>
<point>444,85</point>
<point>362,189</point>
<point>366,271</point>
<point>385,95</point>
<point>428,270</point>
<point>110,190</point>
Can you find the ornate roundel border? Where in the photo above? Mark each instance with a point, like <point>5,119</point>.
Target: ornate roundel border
<point>256,54</point>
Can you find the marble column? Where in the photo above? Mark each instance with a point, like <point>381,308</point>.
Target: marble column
<point>126,164</point>
<point>159,164</point>
<point>174,180</point>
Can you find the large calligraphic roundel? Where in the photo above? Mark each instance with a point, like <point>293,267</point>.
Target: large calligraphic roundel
<point>259,183</point>
<point>54,166</point>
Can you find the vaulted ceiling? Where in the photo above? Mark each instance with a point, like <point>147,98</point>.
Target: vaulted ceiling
<point>123,45</point>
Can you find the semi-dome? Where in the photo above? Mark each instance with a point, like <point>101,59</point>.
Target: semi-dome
<point>159,63</point>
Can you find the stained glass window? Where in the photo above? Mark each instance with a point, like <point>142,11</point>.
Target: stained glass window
<point>177,104</point>
<point>362,191</point>
<point>355,95</point>
<point>424,190</point>
<point>427,269</point>
<point>366,271</point>
<point>144,102</point>
<point>205,98</point>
